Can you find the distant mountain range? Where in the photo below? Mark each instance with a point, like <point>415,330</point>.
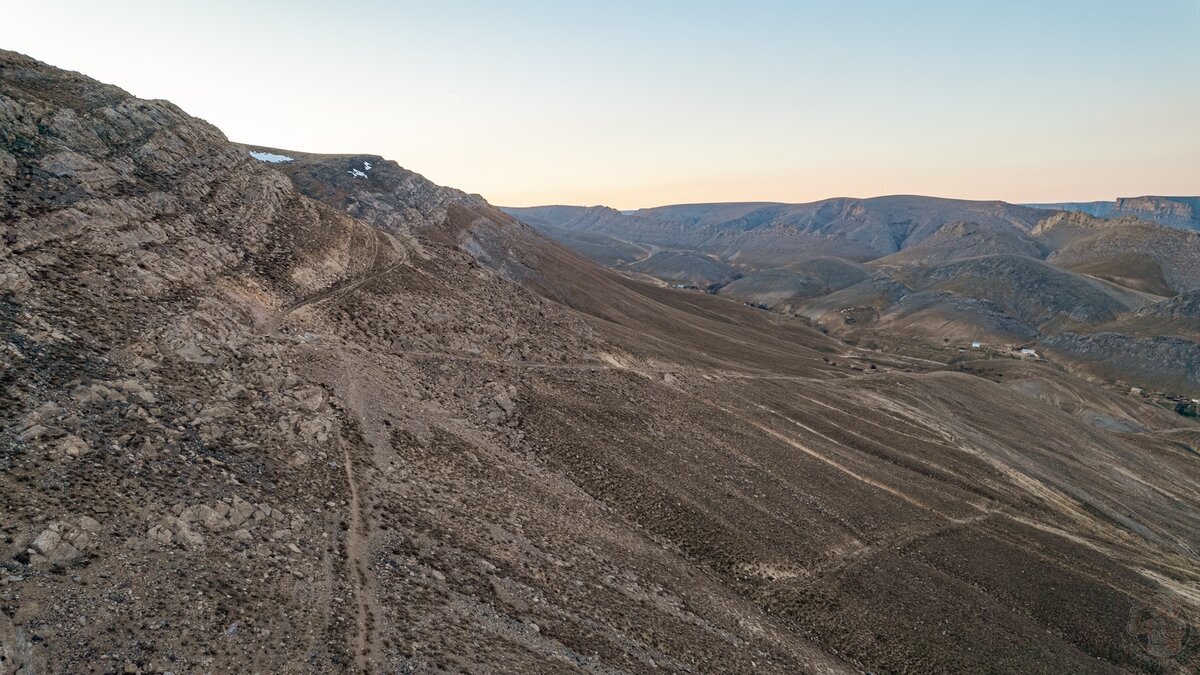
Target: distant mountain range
<point>770,233</point>
<point>944,271</point>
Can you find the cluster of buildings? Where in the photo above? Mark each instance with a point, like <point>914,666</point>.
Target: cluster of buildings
<point>1023,352</point>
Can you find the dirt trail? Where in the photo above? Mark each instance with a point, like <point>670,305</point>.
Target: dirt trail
<point>364,407</point>
<point>357,557</point>
<point>903,538</point>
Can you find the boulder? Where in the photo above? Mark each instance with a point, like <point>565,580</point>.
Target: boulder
<point>62,543</point>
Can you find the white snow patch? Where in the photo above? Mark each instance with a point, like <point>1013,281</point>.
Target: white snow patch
<point>270,157</point>
<point>367,166</point>
<point>356,173</point>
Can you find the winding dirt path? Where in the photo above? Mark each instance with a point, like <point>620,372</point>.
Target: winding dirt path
<point>378,240</point>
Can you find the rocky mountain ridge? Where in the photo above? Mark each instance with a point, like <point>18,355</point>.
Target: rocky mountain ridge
<point>1178,212</point>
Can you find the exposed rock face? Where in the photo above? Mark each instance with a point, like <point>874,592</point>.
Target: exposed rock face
<point>1178,212</point>
<point>16,650</point>
<point>283,417</point>
<point>1185,306</point>
<point>374,188</point>
<point>1160,209</point>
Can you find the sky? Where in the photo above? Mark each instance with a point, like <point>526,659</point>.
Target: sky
<point>648,102</point>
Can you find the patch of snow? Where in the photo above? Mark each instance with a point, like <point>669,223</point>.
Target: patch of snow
<point>270,157</point>
<point>367,166</point>
<point>356,173</point>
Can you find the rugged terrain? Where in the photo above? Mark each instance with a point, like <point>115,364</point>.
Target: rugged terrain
<point>929,276</point>
<point>318,414</point>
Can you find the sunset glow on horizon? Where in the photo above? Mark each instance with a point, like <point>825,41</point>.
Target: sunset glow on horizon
<point>638,104</point>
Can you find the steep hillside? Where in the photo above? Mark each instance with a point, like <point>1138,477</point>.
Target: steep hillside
<point>1163,362</point>
<point>321,415</point>
<point>779,289</point>
<point>1179,315</point>
<point>998,298</point>
<point>602,220</point>
<point>601,248</point>
<point>1156,346</point>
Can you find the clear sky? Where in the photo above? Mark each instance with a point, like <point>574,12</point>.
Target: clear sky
<point>645,102</point>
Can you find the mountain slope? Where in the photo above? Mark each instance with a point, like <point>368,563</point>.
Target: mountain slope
<point>1029,289</point>
<point>282,417</point>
